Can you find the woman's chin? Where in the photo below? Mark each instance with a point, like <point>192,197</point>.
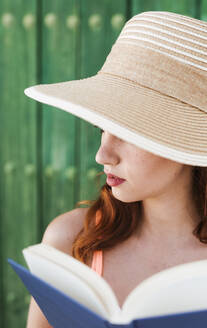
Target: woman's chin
<point>123,196</point>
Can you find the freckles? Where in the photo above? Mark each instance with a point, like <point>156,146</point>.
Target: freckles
<point>142,156</point>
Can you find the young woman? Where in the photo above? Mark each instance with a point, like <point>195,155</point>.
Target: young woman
<point>149,100</point>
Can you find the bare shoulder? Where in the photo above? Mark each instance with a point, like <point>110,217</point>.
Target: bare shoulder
<point>62,230</point>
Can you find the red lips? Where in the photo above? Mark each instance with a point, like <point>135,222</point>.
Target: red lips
<point>113,181</point>
<point>109,175</point>
<point>113,176</point>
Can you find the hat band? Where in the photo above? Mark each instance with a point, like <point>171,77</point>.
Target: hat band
<point>158,71</point>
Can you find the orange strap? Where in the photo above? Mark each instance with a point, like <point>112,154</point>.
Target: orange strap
<point>97,261</point>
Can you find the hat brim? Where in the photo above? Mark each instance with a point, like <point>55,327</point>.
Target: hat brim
<point>141,116</point>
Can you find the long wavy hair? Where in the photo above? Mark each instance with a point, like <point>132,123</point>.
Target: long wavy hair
<point>113,227</point>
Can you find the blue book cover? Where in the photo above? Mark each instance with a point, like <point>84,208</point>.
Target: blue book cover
<point>62,311</point>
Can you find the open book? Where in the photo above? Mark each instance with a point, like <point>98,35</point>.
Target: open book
<point>70,291</point>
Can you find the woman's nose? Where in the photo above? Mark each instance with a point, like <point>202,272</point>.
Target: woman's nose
<point>107,154</point>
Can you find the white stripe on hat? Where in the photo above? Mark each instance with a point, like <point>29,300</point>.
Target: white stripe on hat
<point>170,26</point>
<point>188,19</point>
<point>165,39</point>
<point>179,18</point>
<point>177,21</point>
<point>164,32</point>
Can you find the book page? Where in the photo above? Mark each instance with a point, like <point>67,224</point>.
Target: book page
<point>66,282</point>
<point>178,289</point>
<point>78,280</point>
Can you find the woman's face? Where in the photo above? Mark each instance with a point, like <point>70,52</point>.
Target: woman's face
<point>147,175</point>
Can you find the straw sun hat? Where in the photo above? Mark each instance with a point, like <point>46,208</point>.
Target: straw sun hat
<point>151,91</point>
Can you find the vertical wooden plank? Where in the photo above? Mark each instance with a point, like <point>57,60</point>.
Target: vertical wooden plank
<point>184,7</point>
<point>101,24</point>
<point>203,7</point>
<point>1,217</point>
<point>60,49</point>
<point>2,181</point>
<point>18,160</point>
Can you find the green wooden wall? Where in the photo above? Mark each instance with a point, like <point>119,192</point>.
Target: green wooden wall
<point>47,156</point>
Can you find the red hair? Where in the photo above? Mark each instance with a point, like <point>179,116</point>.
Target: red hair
<point>119,220</point>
